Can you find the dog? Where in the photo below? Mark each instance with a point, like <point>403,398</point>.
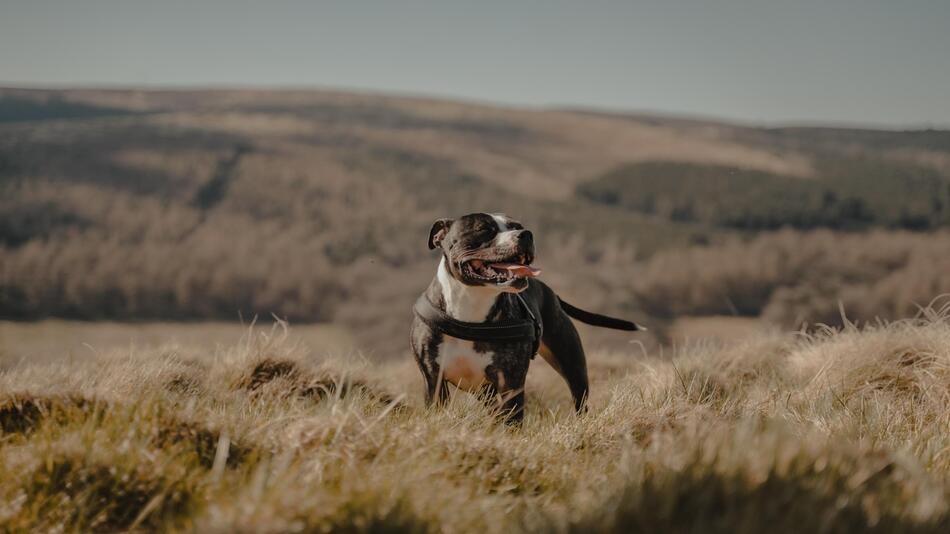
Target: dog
<point>485,315</point>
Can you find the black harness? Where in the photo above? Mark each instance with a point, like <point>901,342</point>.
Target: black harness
<point>510,330</point>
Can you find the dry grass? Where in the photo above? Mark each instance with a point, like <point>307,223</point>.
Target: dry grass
<point>840,431</point>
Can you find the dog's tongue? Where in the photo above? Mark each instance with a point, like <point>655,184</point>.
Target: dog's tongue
<point>518,269</point>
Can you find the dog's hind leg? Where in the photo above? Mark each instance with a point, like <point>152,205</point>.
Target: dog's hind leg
<point>561,348</point>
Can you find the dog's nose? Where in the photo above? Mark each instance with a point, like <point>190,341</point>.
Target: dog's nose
<point>525,238</point>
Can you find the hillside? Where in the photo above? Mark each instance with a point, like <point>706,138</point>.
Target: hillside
<point>129,204</point>
<point>835,432</point>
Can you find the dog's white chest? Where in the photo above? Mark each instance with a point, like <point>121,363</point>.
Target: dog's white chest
<point>461,365</point>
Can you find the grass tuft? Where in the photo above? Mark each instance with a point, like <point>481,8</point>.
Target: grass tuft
<point>792,486</point>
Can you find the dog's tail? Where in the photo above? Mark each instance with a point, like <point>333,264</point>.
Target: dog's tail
<point>596,319</point>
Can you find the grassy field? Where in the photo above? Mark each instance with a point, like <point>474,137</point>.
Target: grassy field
<point>56,340</point>
<point>838,431</point>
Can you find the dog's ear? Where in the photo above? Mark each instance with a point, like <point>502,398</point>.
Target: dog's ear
<point>438,231</point>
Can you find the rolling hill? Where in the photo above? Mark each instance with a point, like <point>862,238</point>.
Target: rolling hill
<point>313,205</point>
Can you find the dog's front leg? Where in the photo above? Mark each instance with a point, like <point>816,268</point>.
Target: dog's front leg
<point>505,393</point>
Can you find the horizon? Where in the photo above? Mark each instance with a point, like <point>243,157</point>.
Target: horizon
<point>571,108</point>
<point>847,63</point>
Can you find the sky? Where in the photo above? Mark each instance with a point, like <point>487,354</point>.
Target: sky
<point>862,62</point>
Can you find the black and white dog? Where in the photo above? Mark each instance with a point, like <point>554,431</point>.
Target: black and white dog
<point>485,315</point>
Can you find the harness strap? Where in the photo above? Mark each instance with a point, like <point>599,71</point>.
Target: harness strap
<point>503,330</point>
<point>538,327</point>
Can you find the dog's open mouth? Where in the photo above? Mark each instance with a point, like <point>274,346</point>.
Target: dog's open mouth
<point>500,272</point>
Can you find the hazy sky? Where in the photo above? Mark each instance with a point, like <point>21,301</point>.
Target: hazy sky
<point>881,62</point>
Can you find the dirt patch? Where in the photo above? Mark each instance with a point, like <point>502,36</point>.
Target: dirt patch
<point>306,384</point>
<point>185,385</point>
<point>22,413</point>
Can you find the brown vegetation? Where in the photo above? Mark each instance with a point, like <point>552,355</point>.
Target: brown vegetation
<point>790,278</point>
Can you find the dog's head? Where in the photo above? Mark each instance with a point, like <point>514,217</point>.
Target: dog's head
<point>483,249</point>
